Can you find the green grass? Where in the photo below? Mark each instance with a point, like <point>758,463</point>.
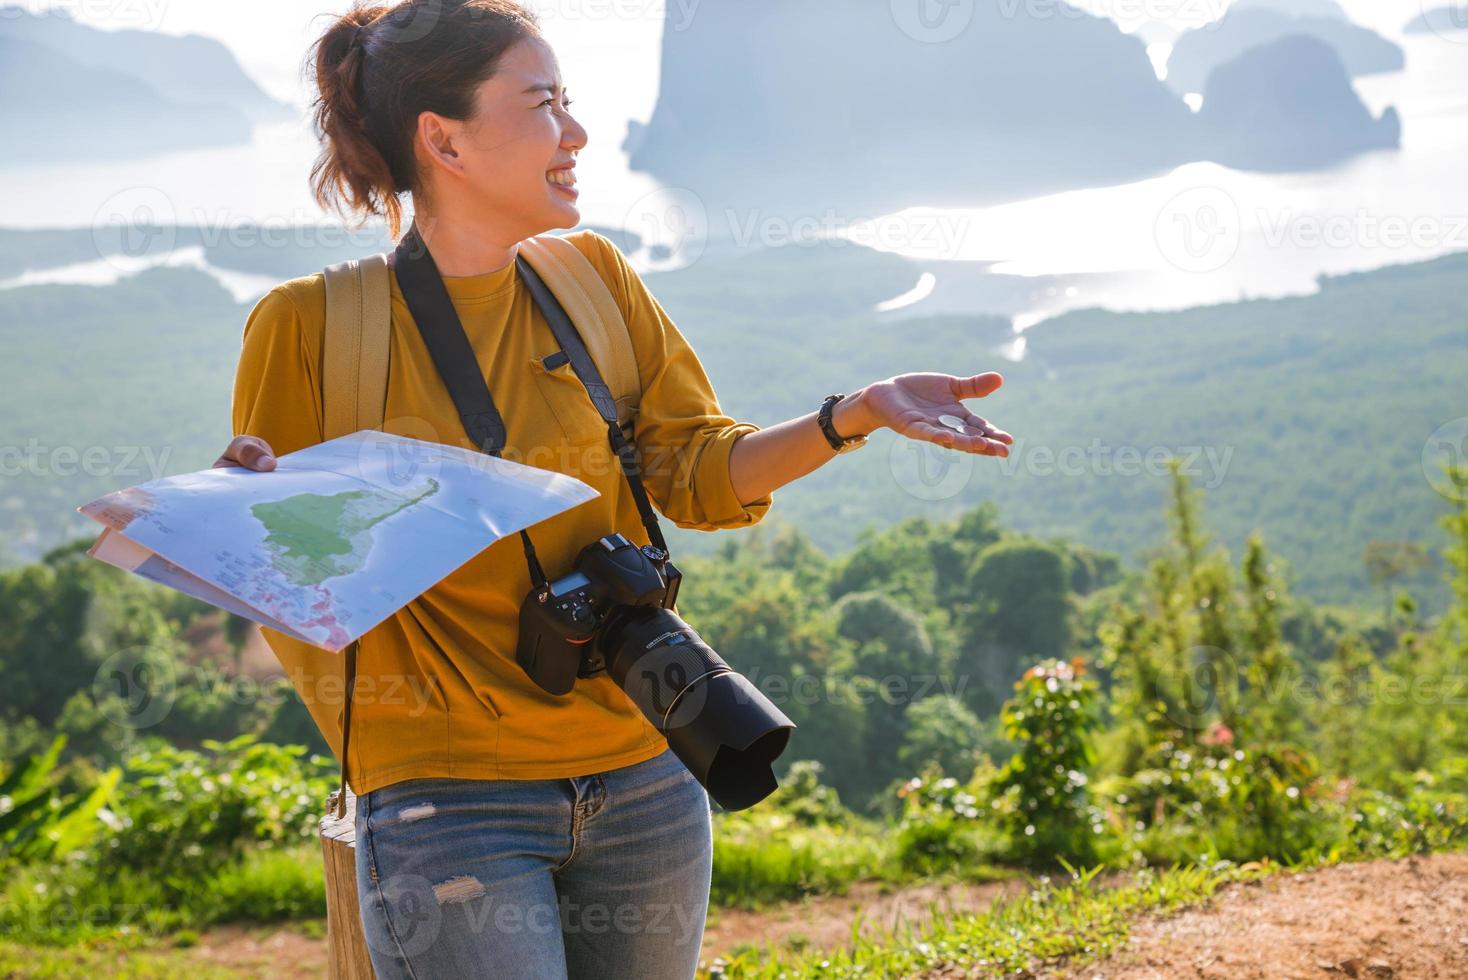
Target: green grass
<point>156,958</point>
<point>45,963</point>
<point>1079,920</point>
<point>766,857</point>
<point>72,906</point>
<point>270,886</point>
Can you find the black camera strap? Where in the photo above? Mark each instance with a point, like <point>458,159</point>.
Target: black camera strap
<point>443,334</point>
<point>601,396</point>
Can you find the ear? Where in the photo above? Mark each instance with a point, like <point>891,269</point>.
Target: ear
<point>435,139</point>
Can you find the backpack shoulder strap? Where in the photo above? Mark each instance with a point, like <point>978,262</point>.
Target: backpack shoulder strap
<point>592,308</point>
<point>354,355</point>
<point>354,396</point>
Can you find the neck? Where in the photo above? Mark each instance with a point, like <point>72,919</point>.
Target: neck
<point>465,246</point>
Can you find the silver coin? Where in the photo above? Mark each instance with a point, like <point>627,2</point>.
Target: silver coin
<point>952,421</point>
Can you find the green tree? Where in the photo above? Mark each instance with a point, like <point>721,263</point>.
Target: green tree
<point>1340,715</point>
<point>1020,615</point>
<point>942,729</point>
<point>893,661</point>
<point>768,630</point>
<point>1270,712</point>
<point>62,618</point>
<point>1388,561</point>
<point>1452,636</point>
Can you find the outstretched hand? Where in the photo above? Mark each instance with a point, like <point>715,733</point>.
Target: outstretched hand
<point>913,404</point>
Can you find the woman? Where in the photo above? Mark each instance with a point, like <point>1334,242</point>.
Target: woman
<point>501,830</point>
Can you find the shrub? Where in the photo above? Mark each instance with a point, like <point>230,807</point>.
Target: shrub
<point>935,842</point>
<point>39,818</point>
<point>806,799</point>
<point>186,814</point>
<point>1040,796</point>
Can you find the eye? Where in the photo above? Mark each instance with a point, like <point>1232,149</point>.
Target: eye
<point>567,102</point>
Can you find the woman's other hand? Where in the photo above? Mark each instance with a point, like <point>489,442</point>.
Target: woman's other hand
<point>913,404</point>
<point>250,452</point>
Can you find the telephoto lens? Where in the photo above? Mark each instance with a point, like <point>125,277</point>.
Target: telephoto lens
<point>720,725</point>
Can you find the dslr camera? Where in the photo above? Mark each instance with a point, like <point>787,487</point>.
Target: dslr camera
<point>613,614</point>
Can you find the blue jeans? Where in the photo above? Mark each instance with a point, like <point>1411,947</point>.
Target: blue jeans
<point>602,876</point>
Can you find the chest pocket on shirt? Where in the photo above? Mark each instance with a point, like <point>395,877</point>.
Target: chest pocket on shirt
<point>577,443</point>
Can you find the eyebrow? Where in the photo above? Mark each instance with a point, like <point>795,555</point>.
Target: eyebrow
<point>540,87</point>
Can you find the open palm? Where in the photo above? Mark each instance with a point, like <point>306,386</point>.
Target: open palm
<point>911,404</point>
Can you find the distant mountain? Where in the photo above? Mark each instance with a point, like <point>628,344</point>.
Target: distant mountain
<point>69,91</point>
<point>1441,20</point>
<point>768,102</point>
<point>189,69</point>
<point>1289,105</point>
<point>1199,51</point>
<point>53,107</point>
<point>827,108</point>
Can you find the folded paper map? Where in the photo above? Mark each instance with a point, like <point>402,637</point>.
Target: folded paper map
<point>336,538</point>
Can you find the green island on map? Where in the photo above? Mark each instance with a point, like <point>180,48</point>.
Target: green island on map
<point>313,537</point>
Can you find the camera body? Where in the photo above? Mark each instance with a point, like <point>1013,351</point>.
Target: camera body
<point>613,614</point>
<point>560,624</point>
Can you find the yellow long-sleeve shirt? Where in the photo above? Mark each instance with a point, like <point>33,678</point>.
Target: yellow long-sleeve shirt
<point>439,693</point>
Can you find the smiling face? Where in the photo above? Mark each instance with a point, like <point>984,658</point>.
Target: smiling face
<point>511,165</point>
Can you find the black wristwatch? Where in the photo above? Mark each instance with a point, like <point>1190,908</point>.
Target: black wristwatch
<point>824,418</point>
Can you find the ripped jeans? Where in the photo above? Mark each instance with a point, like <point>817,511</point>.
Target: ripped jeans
<point>602,876</point>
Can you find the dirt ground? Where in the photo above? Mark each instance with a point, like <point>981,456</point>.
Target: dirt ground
<point>259,952</point>
<point>817,923</point>
<point>825,922</point>
<point>1379,919</point>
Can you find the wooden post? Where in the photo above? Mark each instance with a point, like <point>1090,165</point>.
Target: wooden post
<point>345,942</point>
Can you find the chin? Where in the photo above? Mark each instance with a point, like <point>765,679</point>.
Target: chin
<point>564,215</point>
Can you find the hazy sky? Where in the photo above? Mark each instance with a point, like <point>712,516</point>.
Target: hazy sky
<point>612,44</point>
<point>271,37</point>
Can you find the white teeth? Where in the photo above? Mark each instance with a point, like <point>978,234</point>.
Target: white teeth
<point>563,177</point>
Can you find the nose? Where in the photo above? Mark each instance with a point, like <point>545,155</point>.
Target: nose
<point>573,134</point>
